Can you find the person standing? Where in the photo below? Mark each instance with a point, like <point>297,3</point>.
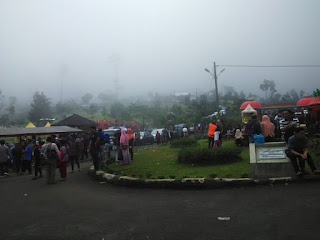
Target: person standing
<point>217,142</point>
<point>37,161</point>
<point>63,159</point>
<point>17,153</point>
<point>4,156</point>
<point>220,125</point>
<point>124,146</point>
<point>131,140</point>
<point>80,141</point>
<point>86,142</point>
<point>27,158</point>
<point>51,159</point>
<point>73,155</point>
<point>211,130</point>
<point>158,138</point>
<point>94,147</point>
<point>288,124</point>
<point>116,145</point>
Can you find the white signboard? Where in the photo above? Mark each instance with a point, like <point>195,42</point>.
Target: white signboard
<point>272,153</point>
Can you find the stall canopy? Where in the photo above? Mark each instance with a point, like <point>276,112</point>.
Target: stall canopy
<point>253,104</point>
<point>16,132</point>
<point>30,125</point>
<point>305,101</point>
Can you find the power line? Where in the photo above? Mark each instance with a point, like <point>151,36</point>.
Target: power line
<point>272,66</point>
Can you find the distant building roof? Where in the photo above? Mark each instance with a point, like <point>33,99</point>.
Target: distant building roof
<point>16,132</point>
<point>76,121</point>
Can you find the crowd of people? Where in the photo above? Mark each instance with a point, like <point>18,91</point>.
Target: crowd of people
<point>284,127</point>
<point>68,150</point>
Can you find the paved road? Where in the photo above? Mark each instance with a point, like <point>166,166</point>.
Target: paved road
<point>82,208</point>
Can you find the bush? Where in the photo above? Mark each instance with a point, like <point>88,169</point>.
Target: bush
<point>208,156</point>
<point>314,146</point>
<point>184,142</point>
<point>213,175</point>
<point>245,175</point>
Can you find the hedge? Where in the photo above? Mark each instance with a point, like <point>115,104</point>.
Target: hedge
<point>184,142</point>
<point>196,155</point>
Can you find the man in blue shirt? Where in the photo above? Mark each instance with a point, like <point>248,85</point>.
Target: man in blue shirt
<point>28,157</point>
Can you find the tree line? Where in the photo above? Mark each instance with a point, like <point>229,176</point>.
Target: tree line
<point>153,111</point>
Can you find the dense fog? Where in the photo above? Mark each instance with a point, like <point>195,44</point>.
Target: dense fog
<point>131,51</point>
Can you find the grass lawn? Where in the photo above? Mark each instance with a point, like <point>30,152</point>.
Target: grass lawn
<point>161,162</point>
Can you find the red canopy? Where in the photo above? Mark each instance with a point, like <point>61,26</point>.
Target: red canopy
<point>304,101</point>
<point>315,101</point>
<point>254,104</point>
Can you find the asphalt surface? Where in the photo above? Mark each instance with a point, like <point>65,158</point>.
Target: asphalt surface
<point>82,208</point>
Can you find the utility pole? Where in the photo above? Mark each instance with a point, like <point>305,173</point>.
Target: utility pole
<point>216,83</point>
<point>215,76</point>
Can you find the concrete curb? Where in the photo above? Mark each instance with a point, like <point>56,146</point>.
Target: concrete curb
<point>193,183</point>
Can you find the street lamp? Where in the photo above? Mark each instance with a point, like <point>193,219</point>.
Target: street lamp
<point>215,76</point>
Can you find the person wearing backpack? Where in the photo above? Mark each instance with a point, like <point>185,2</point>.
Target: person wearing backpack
<point>51,155</point>
<point>253,127</point>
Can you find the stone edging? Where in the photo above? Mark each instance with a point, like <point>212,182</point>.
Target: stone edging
<point>199,183</point>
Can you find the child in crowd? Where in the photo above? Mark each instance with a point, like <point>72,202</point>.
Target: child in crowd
<point>217,142</point>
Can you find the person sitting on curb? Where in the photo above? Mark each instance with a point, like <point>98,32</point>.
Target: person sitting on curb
<point>298,148</point>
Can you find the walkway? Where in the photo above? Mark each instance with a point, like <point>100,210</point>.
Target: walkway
<point>81,208</point>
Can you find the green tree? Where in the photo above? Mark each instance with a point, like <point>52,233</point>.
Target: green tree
<point>104,111</point>
<point>286,98</point>
<point>294,95</point>
<point>116,110</point>
<point>40,108</point>
<point>93,108</point>
<point>87,98</point>
<point>268,86</point>
<point>316,92</point>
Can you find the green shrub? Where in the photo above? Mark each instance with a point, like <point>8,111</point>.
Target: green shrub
<point>208,156</point>
<point>184,142</point>
<point>228,175</point>
<point>148,175</point>
<point>314,146</point>
<point>172,177</point>
<point>245,175</point>
<point>160,177</point>
<point>213,175</point>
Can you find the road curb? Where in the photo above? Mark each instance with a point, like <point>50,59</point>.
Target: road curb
<point>193,183</point>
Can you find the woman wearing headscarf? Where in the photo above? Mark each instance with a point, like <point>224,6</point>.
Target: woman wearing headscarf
<point>130,136</point>
<point>238,137</point>
<point>267,128</point>
<point>124,146</point>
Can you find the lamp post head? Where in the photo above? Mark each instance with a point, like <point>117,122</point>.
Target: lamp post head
<point>206,69</point>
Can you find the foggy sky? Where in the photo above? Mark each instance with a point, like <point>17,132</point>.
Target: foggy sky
<point>155,46</point>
